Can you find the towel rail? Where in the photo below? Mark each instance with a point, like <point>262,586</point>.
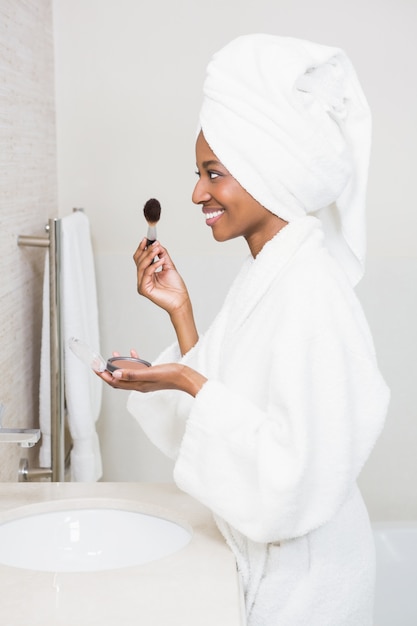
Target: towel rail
<point>53,241</point>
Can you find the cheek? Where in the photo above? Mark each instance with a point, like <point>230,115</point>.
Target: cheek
<point>235,197</point>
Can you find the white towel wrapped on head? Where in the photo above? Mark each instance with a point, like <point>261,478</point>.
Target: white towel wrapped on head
<point>290,122</point>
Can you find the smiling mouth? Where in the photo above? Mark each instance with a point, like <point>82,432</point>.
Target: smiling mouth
<point>213,214</point>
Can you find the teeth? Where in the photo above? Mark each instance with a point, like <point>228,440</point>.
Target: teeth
<point>210,216</point>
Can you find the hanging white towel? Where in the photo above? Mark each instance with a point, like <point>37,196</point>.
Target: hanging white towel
<point>80,319</point>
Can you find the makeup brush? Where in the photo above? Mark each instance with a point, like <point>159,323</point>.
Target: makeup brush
<point>152,213</point>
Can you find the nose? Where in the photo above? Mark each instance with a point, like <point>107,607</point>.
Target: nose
<point>200,193</point>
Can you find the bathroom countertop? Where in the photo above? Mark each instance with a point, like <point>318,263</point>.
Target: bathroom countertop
<point>197,585</point>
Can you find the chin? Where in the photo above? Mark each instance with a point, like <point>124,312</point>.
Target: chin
<point>220,238</point>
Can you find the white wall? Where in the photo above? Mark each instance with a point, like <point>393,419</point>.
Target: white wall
<point>128,89</point>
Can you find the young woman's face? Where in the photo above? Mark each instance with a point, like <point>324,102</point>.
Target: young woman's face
<point>230,211</point>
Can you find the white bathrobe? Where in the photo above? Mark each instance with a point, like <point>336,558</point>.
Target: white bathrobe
<point>274,441</point>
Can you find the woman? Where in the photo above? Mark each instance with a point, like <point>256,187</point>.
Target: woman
<point>271,414</point>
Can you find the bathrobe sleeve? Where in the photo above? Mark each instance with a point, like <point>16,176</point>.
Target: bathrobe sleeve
<point>163,414</point>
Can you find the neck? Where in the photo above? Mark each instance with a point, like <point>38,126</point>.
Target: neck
<point>257,241</point>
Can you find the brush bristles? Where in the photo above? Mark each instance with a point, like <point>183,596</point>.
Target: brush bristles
<point>152,211</point>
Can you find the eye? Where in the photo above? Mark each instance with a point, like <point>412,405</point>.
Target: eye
<point>211,174</point>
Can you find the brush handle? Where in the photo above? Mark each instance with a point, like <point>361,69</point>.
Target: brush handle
<point>151,236</point>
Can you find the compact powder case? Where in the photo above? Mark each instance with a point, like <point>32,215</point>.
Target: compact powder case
<point>94,360</point>
<point>125,362</point>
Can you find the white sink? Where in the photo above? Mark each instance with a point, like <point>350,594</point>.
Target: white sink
<point>88,539</point>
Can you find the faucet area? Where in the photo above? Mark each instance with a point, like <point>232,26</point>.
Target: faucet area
<point>112,553</point>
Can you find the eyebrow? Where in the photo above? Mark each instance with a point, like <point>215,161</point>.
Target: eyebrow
<point>210,163</point>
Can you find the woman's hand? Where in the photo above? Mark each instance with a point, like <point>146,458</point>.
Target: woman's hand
<point>156,378</point>
<point>159,281</point>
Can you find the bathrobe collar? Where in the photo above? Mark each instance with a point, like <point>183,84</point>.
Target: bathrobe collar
<point>257,274</point>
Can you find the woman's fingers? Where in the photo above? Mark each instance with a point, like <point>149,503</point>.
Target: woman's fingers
<point>147,264</point>
<point>144,255</point>
<point>139,250</point>
<point>129,380</point>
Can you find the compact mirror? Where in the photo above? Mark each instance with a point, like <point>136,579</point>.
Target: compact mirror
<point>94,360</point>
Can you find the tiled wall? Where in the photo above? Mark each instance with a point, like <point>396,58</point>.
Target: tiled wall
<point>28,197</point>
